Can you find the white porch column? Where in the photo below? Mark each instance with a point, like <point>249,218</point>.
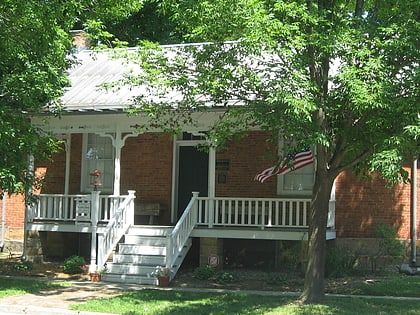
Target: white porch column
<point>94,216</point>
<point>212,184</point>
<point>67,146</point>
<point>118,142</point>
<point>212,172</point>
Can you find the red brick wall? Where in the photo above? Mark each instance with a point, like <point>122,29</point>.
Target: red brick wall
<point>360,206</point>
<point>247,158</point>
<point>146,167</point>
<point>53,173</point>
<point>15,211</point>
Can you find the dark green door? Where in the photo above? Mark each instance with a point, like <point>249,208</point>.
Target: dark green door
<point>192,175</point>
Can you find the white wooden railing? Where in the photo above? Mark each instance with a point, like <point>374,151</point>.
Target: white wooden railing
<point>60,207</point>
<point>253,212</point>
<point>117,226</point>
<point>238,212</point>
<point>177,239</point>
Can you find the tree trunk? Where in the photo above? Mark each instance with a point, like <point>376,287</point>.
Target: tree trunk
<point>313,291</point>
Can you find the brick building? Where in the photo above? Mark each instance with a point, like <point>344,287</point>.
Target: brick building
<point>162,171</point>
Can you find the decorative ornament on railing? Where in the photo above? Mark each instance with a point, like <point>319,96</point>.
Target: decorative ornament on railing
<point>95,179</point>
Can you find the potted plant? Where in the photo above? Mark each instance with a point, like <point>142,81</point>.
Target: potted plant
<point>95,272</point>
<point>163,274</point>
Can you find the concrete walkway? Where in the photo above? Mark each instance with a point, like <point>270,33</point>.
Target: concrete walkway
<point>57,301</point>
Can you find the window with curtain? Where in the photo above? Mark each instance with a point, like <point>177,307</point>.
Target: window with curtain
<point>98,155</point>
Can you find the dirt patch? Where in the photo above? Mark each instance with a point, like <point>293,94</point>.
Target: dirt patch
<point>12,266</point>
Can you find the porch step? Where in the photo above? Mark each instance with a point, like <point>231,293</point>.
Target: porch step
<point>143,249</point>
<point>135,279</point>
<point>139,259</point>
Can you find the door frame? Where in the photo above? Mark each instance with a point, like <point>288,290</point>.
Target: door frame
<point>177,144</point>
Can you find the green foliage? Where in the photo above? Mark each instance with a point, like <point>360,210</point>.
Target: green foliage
<point>149,23</point>
<point>34,54</point>
<point>388,241</point>
<point>23,265</point>
<point>73,264</point>
<point>388,247</point>
<point>339,76</point>
<point>225,277</point>
<point>208,272</point>
<point>339,262</point>
<point>204,272</point>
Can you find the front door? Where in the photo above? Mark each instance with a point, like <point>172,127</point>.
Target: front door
<point>193,169</point>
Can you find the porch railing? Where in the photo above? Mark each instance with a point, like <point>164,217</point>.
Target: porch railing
<point>60,207</point>
<point>177,239</point>
<point>117,226</point>
<point>253,212</point>
<point>242,212</point>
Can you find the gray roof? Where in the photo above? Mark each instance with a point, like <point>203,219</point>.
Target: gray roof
<point>87,76</point>
<point>93,69</point>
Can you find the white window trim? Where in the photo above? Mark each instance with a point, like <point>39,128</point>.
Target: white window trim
<point>281,191</point>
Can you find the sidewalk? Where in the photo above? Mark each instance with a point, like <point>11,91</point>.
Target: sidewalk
<point>58,301</point>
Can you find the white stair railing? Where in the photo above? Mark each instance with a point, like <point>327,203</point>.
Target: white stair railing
<point>117,226</point>
<point>179,236</point>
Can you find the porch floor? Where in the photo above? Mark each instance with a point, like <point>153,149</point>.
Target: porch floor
<point>268,233</point>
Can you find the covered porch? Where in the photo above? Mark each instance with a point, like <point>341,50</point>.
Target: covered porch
<point>108,218</point>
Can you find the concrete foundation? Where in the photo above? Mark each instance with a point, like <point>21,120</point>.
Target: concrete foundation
<point>211,249</point>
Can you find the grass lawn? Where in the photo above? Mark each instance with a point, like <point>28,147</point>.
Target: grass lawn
<point>12,286</point>
<point>165,302</point>
<point>153,302</point>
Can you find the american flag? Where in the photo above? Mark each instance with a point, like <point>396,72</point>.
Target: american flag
<point>291,162</point>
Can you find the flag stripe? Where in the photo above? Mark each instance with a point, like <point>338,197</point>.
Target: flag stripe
<point>298,161</point>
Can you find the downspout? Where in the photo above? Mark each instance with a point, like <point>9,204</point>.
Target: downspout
<point>414,213</point>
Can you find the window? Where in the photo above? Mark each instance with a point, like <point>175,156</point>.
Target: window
<point>299,182</point>
<point>98,154</point>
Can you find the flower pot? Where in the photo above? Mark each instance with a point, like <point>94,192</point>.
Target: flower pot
<point>163,281</point>
<point>95,277</point>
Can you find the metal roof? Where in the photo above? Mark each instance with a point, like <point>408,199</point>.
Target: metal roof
<point>93,69</point>
<point>87,76</point>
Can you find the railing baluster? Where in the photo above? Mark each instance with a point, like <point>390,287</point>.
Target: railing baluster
<point>223,211</point>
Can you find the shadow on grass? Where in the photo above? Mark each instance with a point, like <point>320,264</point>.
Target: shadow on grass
<point>153,302</point>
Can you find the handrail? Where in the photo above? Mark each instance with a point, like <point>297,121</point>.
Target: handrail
<point>179,236</point>
<point>117,226</point>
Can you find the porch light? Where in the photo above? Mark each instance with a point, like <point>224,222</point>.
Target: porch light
<point>95,179</point>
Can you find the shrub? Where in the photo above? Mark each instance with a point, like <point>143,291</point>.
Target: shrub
<point>339,262</point>
<point>73,264</point>
<point>204,272</point>
<point>225,277</point>
<point>389,244</point>
<point>23,265</point>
